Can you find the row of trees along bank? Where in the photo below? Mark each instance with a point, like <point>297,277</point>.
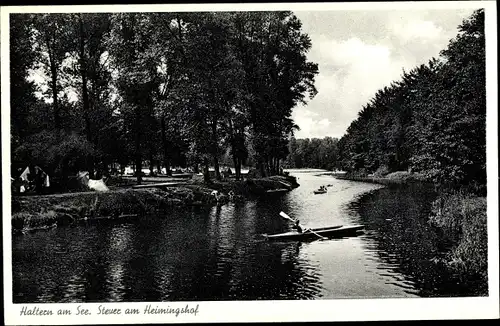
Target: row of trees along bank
<point>90,90</point>
<point>319,153</point>
<point>432,121</point>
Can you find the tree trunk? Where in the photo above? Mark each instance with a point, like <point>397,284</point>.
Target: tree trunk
<point>166,155</point>
<point>235,162</point>
<point>215,151</point>
<point>64,172</point>
<point>83,74</point>
<point>158,166</point>
<point>85,97</point>
<point>216,168</point>
<point>235,150</point>
<point>104,171</point>
<point>261,167</point>
<point>138,150</point>
<point>53,75</point>
<point>57,119</point>
<point>138,167</point>
<point>151,163</point>
<point>206,172</point>
<point>238,169</point>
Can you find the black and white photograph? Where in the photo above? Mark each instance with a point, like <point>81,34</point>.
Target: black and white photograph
<point>238,162</point>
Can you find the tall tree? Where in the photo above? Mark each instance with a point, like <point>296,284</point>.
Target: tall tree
<point>22,60</point>
<point>273,52</point>
<point>130,43</point>
<point>90,73</point>
<point>169,39</point>
<point>216,75</point>
<point>53,42</point>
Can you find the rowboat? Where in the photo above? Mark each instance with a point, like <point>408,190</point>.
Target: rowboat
<point>317,192</point>
<point>338,231</point>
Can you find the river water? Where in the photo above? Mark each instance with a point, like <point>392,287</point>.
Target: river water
<point>219,253</point>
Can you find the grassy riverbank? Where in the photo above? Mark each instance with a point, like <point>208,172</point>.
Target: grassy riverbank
<point>399,177</point>
<point>463,218</point>
<point>38,212</point>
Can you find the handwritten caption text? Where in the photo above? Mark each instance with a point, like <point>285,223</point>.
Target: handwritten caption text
<point>81,310</point>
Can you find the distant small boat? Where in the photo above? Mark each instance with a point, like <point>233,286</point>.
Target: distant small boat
<point>328,232</point>
<point>317,192</point>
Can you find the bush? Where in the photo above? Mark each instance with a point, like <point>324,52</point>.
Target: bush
<point>471,252</point>
<point>381,171</point>
<point>405,175</point>
<point>47,150</point>
<point>463,218</point>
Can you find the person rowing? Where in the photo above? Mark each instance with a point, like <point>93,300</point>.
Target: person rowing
<point>299,227</point>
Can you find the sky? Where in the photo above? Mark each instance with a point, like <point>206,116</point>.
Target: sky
<point>360,52</point>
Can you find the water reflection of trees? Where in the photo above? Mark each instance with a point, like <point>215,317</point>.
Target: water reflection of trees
<point>214,254</point>
<point>281,272</point>
<point>103,261</point>
<point>34,280</point>
<point>72,265</point>
<point>397,222</point>
<point>239,264</point>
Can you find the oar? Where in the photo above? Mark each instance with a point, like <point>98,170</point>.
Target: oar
<point>320,236</point>
<point>283,214</point>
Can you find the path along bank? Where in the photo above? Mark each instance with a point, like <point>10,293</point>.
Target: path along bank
<point>47,211</point>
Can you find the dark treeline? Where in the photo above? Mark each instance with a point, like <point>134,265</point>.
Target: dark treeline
<point>164,89</point>
<point>432,121</point>
<point>313,153</point>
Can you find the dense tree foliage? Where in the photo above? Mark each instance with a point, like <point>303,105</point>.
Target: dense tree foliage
<point>431,121</point>
<point>164,89</point>
<point>313,153</point>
